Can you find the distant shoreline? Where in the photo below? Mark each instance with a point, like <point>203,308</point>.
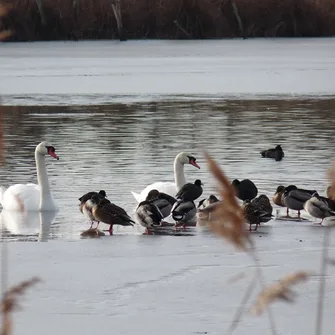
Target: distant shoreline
<point>167,19</point>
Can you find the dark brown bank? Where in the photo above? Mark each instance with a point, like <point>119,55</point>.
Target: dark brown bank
<point>168,19</point>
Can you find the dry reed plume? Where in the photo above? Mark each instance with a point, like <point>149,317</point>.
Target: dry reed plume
<point>10,302</point>
<point>278,291</point>
<point>227,219</point>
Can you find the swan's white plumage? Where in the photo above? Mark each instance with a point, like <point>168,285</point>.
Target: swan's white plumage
<point>163,187</point>
<point>32,197</point>
<point>27,223</point>
<point>21,197</point>
<point>170,188</point>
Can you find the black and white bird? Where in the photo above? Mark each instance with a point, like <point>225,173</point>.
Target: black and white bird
<point>148,215</point>
<point>86,204</point>
<point>183,211</point>
<point>163,201</point>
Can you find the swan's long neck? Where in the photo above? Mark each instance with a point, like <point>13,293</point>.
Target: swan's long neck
<point>179,175</point>
<point>43,182</point>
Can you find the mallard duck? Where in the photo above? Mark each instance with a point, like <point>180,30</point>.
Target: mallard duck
<point>257,211</point>
<point>320,207</point>
<point>276,153</point>
<point>86,204</point>
<point>206,207</point>
<point>207,201</point>
<point>148,215</point>
<point>88,196</point>
<point>263,203</point>
<point>183,211</point>
<point>245,189</point>
<point>190,192</point>
<point>163,201</point>
<point>294,198</point>
<point>278,198</point>
<point>111,214</point>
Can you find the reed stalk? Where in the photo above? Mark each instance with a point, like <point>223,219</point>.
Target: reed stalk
<point>322,286</point>
<point>238,19</point>
<point>41,11</point>
<point>117,13</point>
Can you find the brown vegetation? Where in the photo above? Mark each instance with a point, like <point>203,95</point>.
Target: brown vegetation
<point>10,302</point>
<point>226,219</point>
<point>172,19</point>
<point>278,291</point>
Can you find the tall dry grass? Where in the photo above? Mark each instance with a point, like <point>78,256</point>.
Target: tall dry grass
<point>172,19</point>
<point>10,302</point>
<point>226,221</point>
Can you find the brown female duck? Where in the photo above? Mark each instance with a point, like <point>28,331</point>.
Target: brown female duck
<point>278,198</point>
<point>104,211</point>
<point>257,211</point>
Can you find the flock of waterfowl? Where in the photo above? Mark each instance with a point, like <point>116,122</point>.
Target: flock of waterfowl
<point>163,200</point>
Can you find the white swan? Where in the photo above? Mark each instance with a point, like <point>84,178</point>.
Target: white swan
<point>27,223</point>
<point>168,187</point>
<point>32,197</point>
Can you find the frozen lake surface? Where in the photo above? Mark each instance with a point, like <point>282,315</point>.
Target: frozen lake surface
<point>117,115</point>
<point>106,71</point>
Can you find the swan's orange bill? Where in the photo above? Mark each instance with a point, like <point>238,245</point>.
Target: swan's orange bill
<point>192,162</point>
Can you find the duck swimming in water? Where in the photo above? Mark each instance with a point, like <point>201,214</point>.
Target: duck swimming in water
<point>276,153</point>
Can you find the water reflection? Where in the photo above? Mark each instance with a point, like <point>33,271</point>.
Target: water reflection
<point>125,147</point>
<point>26,225</point>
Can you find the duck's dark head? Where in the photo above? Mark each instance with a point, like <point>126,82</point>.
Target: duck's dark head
<point>316,195</point>
<point>198,182</point>
<point>152,195</point>
<point>103,193</point>
<point>291,188</point>
<point>95,199</point>
<point>278,147</point>
<point>280,189</point>
<point>235,182</point>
